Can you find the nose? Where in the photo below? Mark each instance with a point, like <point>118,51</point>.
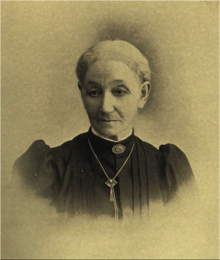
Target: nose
<point>107,105</point>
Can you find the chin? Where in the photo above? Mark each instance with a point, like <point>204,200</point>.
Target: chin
<point>107,132</point>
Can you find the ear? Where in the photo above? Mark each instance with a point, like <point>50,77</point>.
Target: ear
<point>79,86</point>
<point>81,92</point>
<point>145,91</point>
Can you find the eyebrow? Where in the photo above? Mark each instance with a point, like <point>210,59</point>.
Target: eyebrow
<point>91,82</point>
<point>114,81</point>
<point>120,81</point>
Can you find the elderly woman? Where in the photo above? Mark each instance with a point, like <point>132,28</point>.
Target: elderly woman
<point>107,170</point>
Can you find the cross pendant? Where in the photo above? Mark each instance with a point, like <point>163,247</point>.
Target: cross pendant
<point>111,183</point>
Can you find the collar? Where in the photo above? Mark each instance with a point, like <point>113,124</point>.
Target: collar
<point>124,137</point>
<point>103,147</point>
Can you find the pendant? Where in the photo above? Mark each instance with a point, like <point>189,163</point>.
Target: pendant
<point>111,183</point>
<point>118,148</point>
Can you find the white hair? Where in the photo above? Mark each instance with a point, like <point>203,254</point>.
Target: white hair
<point>114,50</point>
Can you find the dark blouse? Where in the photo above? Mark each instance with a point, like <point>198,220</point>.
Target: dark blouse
<point>72,179</point>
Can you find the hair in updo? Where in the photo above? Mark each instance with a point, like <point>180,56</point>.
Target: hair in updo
<point>114,50</point>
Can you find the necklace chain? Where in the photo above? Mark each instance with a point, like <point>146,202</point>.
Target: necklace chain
<point>112,182</point>
<point>103,167</point>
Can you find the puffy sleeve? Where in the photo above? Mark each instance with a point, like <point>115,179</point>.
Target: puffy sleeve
<point>176,170</point>
<point>33,170</point>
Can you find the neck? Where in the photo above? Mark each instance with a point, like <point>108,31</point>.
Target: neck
<point>114,138</point>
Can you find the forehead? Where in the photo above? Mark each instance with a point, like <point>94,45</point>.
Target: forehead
<point>110,70</point>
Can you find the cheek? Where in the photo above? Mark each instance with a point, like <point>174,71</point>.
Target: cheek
<point>128,109</point>
<point>131,111</point>
<point>91,106</point>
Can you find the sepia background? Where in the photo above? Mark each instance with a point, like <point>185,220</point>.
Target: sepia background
<point>41,43</point>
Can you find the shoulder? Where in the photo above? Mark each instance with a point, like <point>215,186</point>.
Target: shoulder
<point>171,160</point>
<point>147,147</point>
<point>169,151</point>
<point>175,160</point>
<point>174,156</point>
<point>36,164</point>
<point>40,153</point>
<point>69,147</point>
<point>175,171</point>
<point>71,143</point>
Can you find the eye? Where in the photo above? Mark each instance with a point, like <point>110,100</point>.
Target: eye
<point>121,91</point>
<point>94,92</point>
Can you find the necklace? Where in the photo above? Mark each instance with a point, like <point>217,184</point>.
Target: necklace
<point>112,182</point>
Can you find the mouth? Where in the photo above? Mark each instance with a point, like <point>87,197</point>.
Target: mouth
<point>106,123</point>
<point>107,120</point>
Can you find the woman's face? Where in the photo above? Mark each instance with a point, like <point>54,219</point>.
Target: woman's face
<point>112,94</point>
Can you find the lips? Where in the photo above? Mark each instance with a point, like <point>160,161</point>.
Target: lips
<point>107,120</point>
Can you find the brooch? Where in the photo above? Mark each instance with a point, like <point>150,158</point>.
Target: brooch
<point>118,148</point>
